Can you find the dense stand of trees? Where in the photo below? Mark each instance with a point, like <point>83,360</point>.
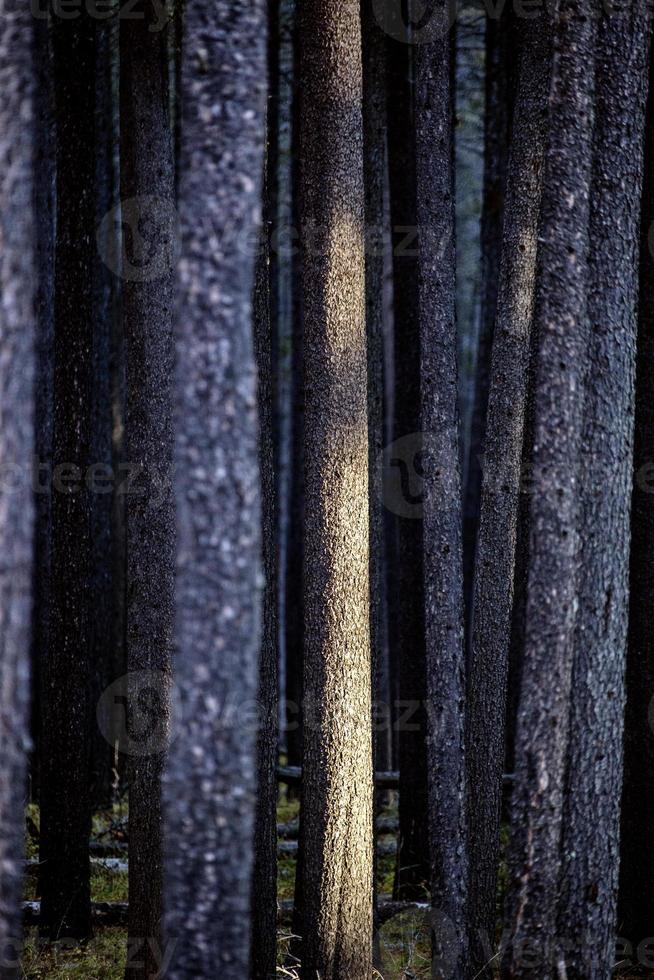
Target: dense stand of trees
<point>250,551</point>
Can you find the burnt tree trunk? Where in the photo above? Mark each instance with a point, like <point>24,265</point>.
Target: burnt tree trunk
<point>17,375</point>
<point>264,879</point>
<point>591,827</point>
<point>211,774</point>
<point>147,199</point>
<point>403,488</point>
<point>442,535</point>
<point>636,893</point>
<point>561,322</point>
<point>66,717</point>
<point>496,151</point>
<point>337,787</point>
<point>496,549</point>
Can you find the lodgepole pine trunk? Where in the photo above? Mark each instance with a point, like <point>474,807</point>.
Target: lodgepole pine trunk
<point>562,325</point>
<point>636,893</point>
<point>66,712</point>
<point>591,826</point>
<point>264,876</point>
<point>496,551</point>
<point>337,790</point>
<point>211,773</point>
<point>497,120</point>
<point>403,490</point>
<point>17,374</point>
<point>442,536</point>
<point>147,195</point>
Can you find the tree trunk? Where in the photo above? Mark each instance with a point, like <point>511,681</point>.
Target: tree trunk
<point>210,778</point>
<point>403,489</point>
<point>442,538</point>
<point>337,789</point>
<point>17,376</point>
<point>264,880</point>
<point>636,896</point>
<point>496,151</point>
<point>147,196</point>
<point>562,326</point>
<point>591,826</point>
<point>66,670</point>
<point>494,576</point>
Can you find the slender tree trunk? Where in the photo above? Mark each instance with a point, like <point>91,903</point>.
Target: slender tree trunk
<point>147,196</point>
<point>66,671</point>
<point>210,779</point>
<point>562,326</point>
<point>591,827</point>
<point>104,311</point>
<point>636,897</point>
<point>496,551</point>
<point>337,786</point>
<point>442,539</point>
<point>264,881</point>
<point>496,152</point>
<point>44,177</point>
<point>403,490</point>
<point>17,375</point>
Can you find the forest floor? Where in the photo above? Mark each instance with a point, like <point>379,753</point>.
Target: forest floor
<point>403,941</point>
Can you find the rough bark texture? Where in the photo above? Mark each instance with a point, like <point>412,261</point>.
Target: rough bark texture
<point>17,371</point>
<point>494,575</point>
<point>147,195</point>
<point>104,312</point>
<point>402,473</point>
<point>561,321</point>
<point>337,790</point>
<point>264,878</point>
<point>442,537</point>
<point>210,778</point>
<point>496,151</point>
<point>636,897</point>
<point>66,670</point>
<point>591,828</point>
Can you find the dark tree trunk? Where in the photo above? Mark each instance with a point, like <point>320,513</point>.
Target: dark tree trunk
<point>561,322</point>
<point>294,591</point>
<point>264,879</point>
<point>636,896</point>
<point>104,312</point>
<point>442,537</point>
<point>211,773</point>
<point>147,196</point>
<point>44,177</point>
<point>496,153</point>
<point>403,489</point>
<point>494,576</point>
<point>591,825</point>
<point>337,789</point>
<point>66,718</point>
<point>18,75</point>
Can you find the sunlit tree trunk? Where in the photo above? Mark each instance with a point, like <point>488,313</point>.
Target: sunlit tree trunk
<point>147,196</point>
<point>636,895</point>
<point>561,321</point>
<point>591,827</point>
<point>17,376</point>
<point>494,575</point>
<point>211,774</point>
<point>336,839</point>
<point>66,716</point>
